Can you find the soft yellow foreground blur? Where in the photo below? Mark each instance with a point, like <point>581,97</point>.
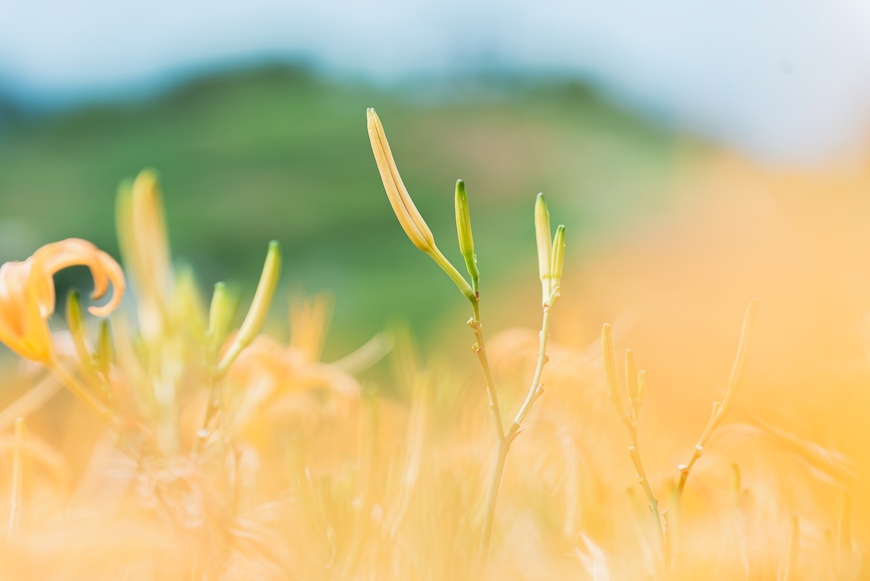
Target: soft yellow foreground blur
<point>295,471</point>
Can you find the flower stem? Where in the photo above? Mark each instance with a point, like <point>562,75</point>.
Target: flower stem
<point>505,439</point>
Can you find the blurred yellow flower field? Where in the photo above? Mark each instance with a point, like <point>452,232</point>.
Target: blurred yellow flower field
<point>670,433</point>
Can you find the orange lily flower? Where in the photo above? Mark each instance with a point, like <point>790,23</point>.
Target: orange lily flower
<point>27,295</point>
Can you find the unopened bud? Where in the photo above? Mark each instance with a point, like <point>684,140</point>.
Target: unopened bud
<point>105,349</point>
<point>76,326</point>
<point>74,315</point>
<point>259,308</point>
<point>558,259</point>
<point>545,253</point>
<point>220,315</point>
<point>409,217</point>
<point>463,229</point>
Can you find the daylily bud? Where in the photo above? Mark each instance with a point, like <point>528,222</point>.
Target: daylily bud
<point>76,326</point>
<point>259,308</point>
<point>542,234</point>
<point>144,244</point>
<point>220,315</point>
<point>409,217</point>
<point>142,232</point>
<point>105,349</point>
<point>558,259</point>
<point>463,229</point>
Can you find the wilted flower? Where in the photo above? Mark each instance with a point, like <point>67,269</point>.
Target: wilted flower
<point>27,295</point>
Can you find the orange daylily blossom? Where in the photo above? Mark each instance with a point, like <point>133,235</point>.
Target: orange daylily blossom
<point>27,294</point>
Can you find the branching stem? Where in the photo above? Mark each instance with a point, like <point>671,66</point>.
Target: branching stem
<point>505,439</point>
<point>720,408</point>
<point>634,452</point>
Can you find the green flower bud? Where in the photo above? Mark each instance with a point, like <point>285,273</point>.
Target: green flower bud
<point>463,229</point>
<point>542,234</point>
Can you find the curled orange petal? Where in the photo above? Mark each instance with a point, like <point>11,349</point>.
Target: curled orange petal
<point>54,257</point>
<point>27,294</point>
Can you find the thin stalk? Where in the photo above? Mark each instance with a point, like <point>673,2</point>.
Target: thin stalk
<point>480,350</point>
<point>629,420</point>
<point>720,408</point>
<point>212,408</point>
<point>535,390</point>
<point>491,499</point>
<point>653,503</point>
<point>498,468</point>
<point>506,439</point>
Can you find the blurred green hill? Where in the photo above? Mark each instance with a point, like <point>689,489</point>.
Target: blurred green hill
<point>280,153</point>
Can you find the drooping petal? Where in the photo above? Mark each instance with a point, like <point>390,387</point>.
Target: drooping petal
<point>54,257</point>
<point>27,294</point>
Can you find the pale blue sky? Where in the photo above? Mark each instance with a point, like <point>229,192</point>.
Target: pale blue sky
<point>784,79</point>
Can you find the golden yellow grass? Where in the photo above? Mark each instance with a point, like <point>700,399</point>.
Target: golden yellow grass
<point>303,473</point>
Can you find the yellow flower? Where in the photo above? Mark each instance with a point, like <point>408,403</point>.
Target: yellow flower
<point>27,293</point>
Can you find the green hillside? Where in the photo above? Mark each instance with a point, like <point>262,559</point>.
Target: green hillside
<point>279,153</point>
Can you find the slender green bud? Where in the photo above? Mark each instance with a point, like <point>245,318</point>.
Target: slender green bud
<point>259,308</point>
<point>187,304</point>
<point>75,324</point>
<point>105,349</point>
<point>463,229</point>
<point>74,315</point>
<point>545,252</point>
<point>220,315</point>
<point>557,262</point>
<point>263,297</point>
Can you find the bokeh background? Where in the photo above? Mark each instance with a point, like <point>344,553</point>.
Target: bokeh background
<point>253,113</point>
<point>699,153</point>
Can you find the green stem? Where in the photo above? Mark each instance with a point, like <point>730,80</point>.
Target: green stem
<point>480,351</point>
<point>634,452</point>
<point>535,390</point>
